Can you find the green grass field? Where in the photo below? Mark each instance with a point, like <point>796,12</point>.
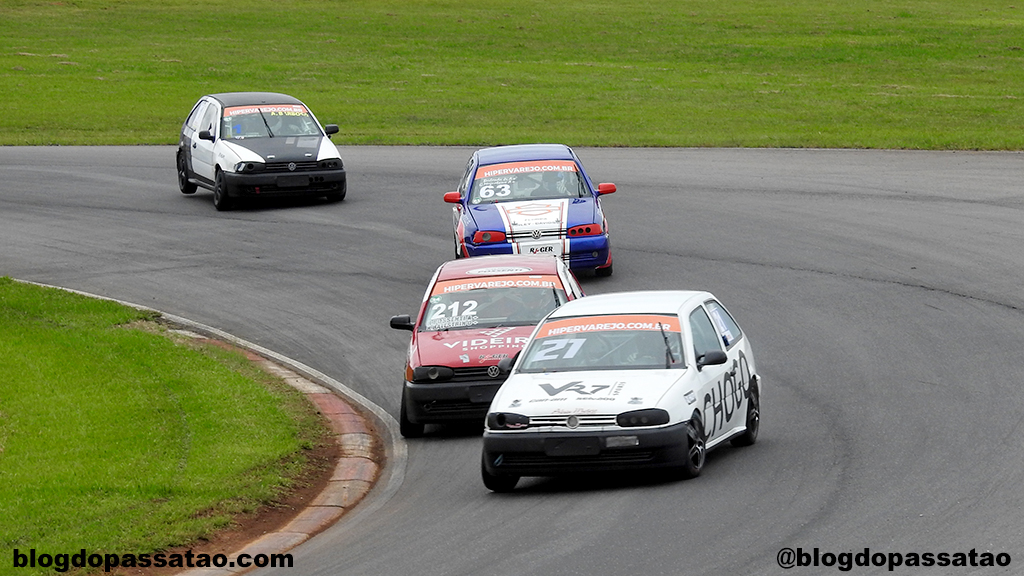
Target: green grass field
<point>930,74</point>
<point>116,437</point>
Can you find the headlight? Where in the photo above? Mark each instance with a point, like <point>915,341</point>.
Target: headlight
<point>507,421</point>
<point>249,167</point>
<point>432,374</point>
<point>648,417</point>
<point>330,164</point>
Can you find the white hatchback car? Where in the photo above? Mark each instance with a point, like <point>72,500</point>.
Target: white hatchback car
<point>621,382</point>
<point>257,145</point>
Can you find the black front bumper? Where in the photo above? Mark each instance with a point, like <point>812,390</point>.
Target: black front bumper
<point>278,184</point>
<point>449,401</point>
<point>523,453</point>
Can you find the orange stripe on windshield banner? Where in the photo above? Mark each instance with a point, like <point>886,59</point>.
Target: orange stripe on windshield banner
<point>525,167</point>
<point>609,322</point>
<point>535,281</point>
<point>234,110</point>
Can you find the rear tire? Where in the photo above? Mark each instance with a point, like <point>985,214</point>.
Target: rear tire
<point>500,484</point>
<point>753,424</point>
<point>603,272</point>
<point>184,185</point>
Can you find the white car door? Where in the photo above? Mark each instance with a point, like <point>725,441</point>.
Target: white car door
<point>202,150</point>
<point>716,402</point>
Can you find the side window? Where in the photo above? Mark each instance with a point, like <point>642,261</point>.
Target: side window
<point>727,327</point>
<point>705,339</point>
<point>464,184</point>
<point>196,115</point>
<point>209,119</point>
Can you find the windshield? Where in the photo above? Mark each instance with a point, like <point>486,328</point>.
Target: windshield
<point>267,121</point>
<point>612,342</point>
<point>491,302</point>
<point>514,181</point>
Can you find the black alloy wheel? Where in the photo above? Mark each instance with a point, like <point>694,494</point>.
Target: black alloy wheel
<point>221,200</point>
<point>753,424</point>
<point>184,185</point>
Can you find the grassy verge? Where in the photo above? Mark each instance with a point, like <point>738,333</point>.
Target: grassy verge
<point>931,74</point>
<point>115,437</point>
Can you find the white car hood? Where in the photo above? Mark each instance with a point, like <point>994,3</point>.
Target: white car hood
<point>582,393</point>
<point>281,149</point>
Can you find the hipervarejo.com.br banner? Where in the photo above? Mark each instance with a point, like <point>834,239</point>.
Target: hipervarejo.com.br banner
<point>847,561</point>
<point>63,562</point>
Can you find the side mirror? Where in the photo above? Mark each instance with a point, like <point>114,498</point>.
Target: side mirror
<point>505,364</point>
<point>206,135</point>
<point>605,188</point>
<point>402,322</point>
<point>330,129</point>
<point>713,358</point>
<point>452,197</point>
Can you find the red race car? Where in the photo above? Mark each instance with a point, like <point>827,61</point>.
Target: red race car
<point>475,312</point>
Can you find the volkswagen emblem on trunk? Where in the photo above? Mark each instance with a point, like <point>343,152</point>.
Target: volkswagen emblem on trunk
<point>291,166</point>
<point>493,371</point>
<point>535,234</point>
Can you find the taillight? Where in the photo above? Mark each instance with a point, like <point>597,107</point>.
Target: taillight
<point>488,237</point>
<point>585,230</point>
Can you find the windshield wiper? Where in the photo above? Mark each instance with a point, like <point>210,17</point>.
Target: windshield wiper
<point>670,358</point>
<point>269,131</point>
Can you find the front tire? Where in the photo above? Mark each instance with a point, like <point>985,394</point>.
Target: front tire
<point>696,450</point>
<point>338,196</point>
<point>500,484</point>
<point>406,427</point>
<point>221,200</point>
<point>603,272</point>
<point>184,185</point>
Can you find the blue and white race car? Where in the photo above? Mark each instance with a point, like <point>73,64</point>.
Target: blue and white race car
<point>532,199</point>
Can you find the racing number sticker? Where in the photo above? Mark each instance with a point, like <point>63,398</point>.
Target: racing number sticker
<point>495,191</point>
<point>452,315</point>
<point>550,349</point>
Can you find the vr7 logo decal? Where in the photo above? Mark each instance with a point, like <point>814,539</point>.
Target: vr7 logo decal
<point>577,387</point>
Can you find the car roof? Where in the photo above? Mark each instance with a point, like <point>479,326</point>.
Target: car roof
<point>523,152</point>
<point>246,98</point>
<point>639,302</point>
<point>499,265</point>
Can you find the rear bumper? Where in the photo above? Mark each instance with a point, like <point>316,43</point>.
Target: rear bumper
<point>556,453</point>
<point>584,253</point>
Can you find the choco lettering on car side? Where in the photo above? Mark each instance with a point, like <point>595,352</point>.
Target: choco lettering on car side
<point>727,395</point>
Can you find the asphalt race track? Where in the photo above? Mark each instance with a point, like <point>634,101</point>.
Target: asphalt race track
<point>882,292</point>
